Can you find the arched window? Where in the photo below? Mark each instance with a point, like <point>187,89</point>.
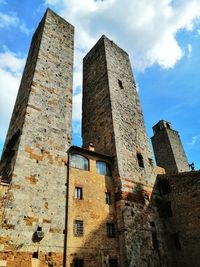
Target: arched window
<point>102,168</point>
<point>79,161</point>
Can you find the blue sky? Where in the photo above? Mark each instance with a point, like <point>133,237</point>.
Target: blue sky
<point>161,37</point>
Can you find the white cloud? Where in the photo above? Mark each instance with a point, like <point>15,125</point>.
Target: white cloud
<point>146,29</point>
<point>11,62</point>
<point>7,20</point>
<point>195,140</point>
<point>77,107</point>
<point>11,20</point>
<point>10,73</point>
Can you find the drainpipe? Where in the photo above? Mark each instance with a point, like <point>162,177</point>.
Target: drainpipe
<point>66,210</point>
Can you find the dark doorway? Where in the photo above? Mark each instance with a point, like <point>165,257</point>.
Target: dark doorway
<point>78,263</point>
<point>113,263</point>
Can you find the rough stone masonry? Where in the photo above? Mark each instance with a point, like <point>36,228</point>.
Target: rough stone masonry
<point>34,157</point>
<point>122,211</point>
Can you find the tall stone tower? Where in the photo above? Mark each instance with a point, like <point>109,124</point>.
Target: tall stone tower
<point>113,122</point>
<point>34,156</point>
<point>112,115</point>
<point>168,149</point>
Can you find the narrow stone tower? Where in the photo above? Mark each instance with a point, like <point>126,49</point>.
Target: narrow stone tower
<point>34,156</point>
<point>112,115</point>
<point>113,122</point>
<point>168,149</point>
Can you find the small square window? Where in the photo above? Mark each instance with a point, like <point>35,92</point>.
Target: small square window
<point>113,263</point>
<point>108,198</point>
<point>78,228</point>
<point>110,230</point>
<point>78,263</point>
<point>78,193</point>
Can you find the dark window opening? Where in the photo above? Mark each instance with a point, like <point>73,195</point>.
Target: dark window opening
<point>113,263</point>
<point>39,228</point>
<point>35,255</point>
<point>110,230</point>
<point>78,193</point>
<point>176,240</point>
<point>164,187</point>
<point>120,84</point>
<point>78,228</point>
<point>164,208</point>
<point>152,224</point>
<point>155,240</point>
<point>140,160</point>
<point>108,198</point>
<point>78,263</point>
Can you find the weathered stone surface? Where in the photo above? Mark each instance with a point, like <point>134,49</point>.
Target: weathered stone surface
<point>41,126</point>
<point>112,115</point>
<point>184,198</point>
<point>149,214</point>
<point>113,122</point>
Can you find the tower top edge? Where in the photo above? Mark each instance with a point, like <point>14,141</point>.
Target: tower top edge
<point>104,40</point>
<point>50,13</point>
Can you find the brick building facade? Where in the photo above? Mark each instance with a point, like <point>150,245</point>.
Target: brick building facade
<point>104,204</point>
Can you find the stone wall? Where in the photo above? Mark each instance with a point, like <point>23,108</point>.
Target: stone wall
<point>113,122</point>
<point>42,114</point>
<point>181,224</point>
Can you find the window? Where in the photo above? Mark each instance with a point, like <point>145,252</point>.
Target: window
<point>176,240</point>
<point>120,84</point>
<point>155,240</point>
<point>152,224</point>
<point>78,228</point>
<point>164,208</point>
<point>102,168</point>
<point>154,235</point>
<point>164,187</point>
<point>78,193</point>
<point>78,263</point>
<point>110,230</point>
<point>108,198</point>
<point>80,162</point>
<point>140,160</point>
<point>113,263</point>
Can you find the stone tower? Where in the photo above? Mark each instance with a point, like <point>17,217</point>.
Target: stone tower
<point>113,122</point>
<point>34,156</point>
<point>168,149</point>
<point>112,115</point>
